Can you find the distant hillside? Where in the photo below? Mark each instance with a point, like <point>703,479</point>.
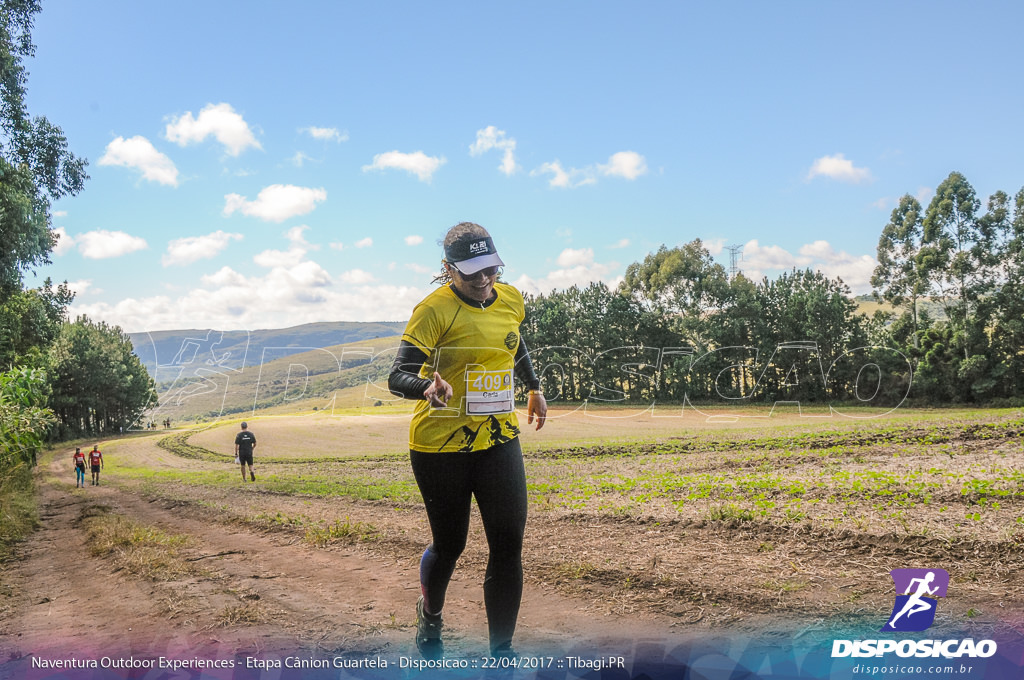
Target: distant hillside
<point>236,350</point>
<point>321,378</point>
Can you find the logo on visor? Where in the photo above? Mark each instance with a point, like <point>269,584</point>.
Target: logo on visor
<point>478,248</point>
<point>915,605</point>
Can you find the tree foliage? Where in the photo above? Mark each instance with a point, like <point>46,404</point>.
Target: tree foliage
<point>30,321</point>
<point>971,263</point>
<point>678,329</point>
<point>35,164</point>
<point>24,418</point>
<point>684,283</point>
<point>899,277</point>
<point>99,384</point>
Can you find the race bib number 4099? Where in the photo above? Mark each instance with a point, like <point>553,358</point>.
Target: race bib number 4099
<point>488,392</point>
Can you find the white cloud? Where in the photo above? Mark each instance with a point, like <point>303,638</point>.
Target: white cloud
<point>296,235</point>
<point>287,258</point>
<point>190,249</point>
<point>565,179</point>
<point>60,213</point>
<point>627,164</point>
<point>225,276</point>
<point>219,120</point>
<point>364,242</point>
<point>416,163</point>
<point>139,153</point>
<point>621,243</point>
<point>299,158</point>
<point>102,244</point>
<point>65,242</point>
<point>576,268</point>
<point>287,296</point>
<point>276,203</point>
<point>573,258</point>
<point>83,287</point>
<point>493,138</point>
<point>337,246</point>
<point>413,240</point>
<point>924,195</point>
<point>758,258</point>
<point>326,134</point>
<point>715,246</point>
<point>885,203</point>
<point>855,270</point>
<point>357,276</point>
<point>837,167</point>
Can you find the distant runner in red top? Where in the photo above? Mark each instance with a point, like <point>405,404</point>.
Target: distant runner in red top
<point>79,460</point>
<point>96,460</point>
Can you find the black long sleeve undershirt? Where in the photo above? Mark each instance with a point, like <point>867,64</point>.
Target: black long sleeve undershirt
<point>404,379</point>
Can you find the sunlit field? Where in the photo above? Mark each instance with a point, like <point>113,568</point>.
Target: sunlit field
<point>700,516</point>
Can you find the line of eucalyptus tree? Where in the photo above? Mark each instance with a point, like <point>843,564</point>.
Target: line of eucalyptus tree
<point>971,263</point>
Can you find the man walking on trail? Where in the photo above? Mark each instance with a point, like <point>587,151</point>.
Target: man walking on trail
<point>245,442</point>
<point>79,460</point>
<point>96,461</point>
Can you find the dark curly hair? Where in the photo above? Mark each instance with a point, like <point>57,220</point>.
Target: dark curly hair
<point>466,231</point>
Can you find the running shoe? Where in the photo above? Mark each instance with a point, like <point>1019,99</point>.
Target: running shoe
<point>428,633</point>
<point>252,476</point>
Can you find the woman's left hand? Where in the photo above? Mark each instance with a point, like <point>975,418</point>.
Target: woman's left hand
<point>536,406</point>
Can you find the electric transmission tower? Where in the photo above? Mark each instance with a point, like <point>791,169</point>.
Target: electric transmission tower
<point>735,255</point>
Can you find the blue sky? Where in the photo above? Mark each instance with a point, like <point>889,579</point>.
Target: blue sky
<point>261,165</point>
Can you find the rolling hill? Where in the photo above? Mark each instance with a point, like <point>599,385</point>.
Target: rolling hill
<point>339,376</point>
<point>240,349</point>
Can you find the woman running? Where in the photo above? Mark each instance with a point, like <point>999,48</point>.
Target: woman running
<point>460,356</point>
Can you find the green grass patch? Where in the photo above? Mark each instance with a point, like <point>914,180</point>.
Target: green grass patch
<point>363,487</point>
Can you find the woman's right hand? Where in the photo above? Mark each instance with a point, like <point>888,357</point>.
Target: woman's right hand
<point>439,392</point>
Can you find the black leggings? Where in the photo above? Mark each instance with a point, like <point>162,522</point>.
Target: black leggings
<point>497,479</point>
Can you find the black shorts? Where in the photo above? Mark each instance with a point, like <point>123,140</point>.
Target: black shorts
<point>95,468</point>
<point>244,458</point>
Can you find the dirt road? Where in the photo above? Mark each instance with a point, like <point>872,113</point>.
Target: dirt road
<point>252,591</point>
<point>230,570</point>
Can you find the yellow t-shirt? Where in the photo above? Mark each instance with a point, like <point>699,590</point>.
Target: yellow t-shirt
<point>474,349</point>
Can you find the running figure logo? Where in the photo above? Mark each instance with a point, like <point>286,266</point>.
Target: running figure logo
<point>915,608</point>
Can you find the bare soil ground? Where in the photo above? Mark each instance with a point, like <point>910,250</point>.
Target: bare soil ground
<point>258,590</point>
<point>603,572</point>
